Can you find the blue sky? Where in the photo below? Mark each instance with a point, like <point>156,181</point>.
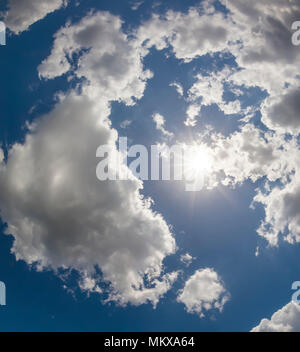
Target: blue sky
<point>252,266</point>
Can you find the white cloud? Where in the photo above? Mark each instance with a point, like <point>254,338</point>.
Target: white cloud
<point>192,113</point>
<point>126,123</point>
<point>202,292</point>
<point>210,89</point>
<point>159,121</point>
<point>111,63</point>
<point>186,259</point>
<point>282,214</point>
<point>251,154</point>
<point>286,319</point>
<point>89,284</point>
<point>22,14</point>
<point>281,113</point>
<point>247,153</point>
<point>268,59</point>
<point>178,88</point>
<point>136,5</point>
<point>266,29</point>
<point>198,32</point>
<point>258,36</point>
<point>59,214</point>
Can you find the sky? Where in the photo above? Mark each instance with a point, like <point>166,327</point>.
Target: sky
<point>81,254</point>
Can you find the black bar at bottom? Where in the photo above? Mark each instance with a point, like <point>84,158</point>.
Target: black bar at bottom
<point>153,341</point>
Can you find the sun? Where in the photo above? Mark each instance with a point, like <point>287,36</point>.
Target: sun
<point>197,164</point>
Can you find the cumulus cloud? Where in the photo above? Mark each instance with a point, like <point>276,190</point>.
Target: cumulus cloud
<point>60,215</point>
<point>202,292</point>
<point>210,89</point>
<point>266,29</point>
<point>108,60</point>
<point>22,14</point>
<point>248,153</point>
<point>286,319</point>
<point>257,35</point>
<point>268,58</point>
<point>282,113</point>
<point>282,214</point>
<point>198,32</point>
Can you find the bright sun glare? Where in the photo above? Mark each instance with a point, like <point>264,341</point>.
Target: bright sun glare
<point>197,163</point>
